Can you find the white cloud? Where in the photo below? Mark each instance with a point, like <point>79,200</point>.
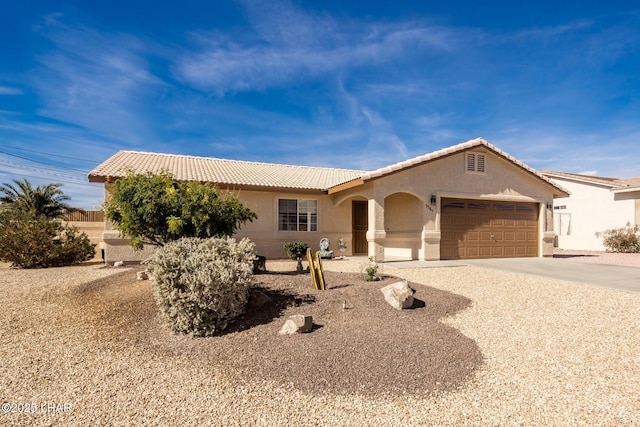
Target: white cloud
<point>100,81</point>
<point>289,46</point>
<point>5,90</point>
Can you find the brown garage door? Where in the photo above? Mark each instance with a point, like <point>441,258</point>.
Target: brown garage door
<point>488,229</point>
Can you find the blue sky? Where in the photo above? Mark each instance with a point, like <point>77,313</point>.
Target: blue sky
<point>353,84</point>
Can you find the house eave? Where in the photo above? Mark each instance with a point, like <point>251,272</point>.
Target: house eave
<point>345,186</point>
<point>625,190</point>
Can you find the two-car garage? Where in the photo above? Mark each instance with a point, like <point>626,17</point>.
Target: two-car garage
<point>488,229</point>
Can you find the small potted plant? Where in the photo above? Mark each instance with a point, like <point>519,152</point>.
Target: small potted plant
<point>296,251</point>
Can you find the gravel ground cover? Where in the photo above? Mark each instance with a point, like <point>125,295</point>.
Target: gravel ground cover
<point>597,257</point>
<point>86,343</point>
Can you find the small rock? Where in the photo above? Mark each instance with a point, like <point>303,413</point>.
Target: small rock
<point>297,324</point>
<point>398,294</point>
<point>118,263</point>
<point>142,275</point>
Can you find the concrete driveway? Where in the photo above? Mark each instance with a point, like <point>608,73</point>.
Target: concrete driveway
<point>609,276</point>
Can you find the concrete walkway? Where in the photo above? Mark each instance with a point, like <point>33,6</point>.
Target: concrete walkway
<point>609,276</point>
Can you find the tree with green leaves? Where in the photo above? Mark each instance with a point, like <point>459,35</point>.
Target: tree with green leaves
<point>48,201</point>
<point>30,240</point>
<point>156,209</point>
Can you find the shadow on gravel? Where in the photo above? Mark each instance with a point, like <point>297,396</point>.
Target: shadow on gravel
<point>368,349</point>
<point>278,301</point>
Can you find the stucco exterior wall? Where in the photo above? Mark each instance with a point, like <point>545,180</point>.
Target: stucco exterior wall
<point>334,222</point>
<point>590,209</point>
<point>446,177</point>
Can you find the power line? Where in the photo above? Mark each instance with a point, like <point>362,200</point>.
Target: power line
<point>49,154</point>
<point>50,134</point>
<point>46,172</point>
<point>60,180</point>
<point>43,163</point>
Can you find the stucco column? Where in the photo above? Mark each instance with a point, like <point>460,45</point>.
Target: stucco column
<point>430,245</point>
<point>376,233</point>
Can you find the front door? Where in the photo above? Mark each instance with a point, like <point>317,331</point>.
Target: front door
<point>360,226</point>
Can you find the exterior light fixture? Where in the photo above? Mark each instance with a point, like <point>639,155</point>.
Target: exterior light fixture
<point>433,199</point>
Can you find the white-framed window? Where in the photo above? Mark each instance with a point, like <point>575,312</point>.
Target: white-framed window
<point>475,162</point>
<point>297,215</point>
<point>562,223</point>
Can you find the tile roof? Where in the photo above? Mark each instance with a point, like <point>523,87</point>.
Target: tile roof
<point>223,172</point>
<point>270,175</point>
<point>613,183</point>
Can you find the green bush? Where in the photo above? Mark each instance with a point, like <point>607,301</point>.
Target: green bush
<point>28,240</point>
<point>625,239</point>
<point>296,251</point>
<point>156,209</point>
<point>372,271</point>
<point>201,285</point>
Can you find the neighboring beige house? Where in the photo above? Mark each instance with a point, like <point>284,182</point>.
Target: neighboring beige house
<point>471,200</point>
<point>596,204</point>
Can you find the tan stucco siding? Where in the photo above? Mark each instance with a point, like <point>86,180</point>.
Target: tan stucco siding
<point>334,222</point>
<point>446,177</point>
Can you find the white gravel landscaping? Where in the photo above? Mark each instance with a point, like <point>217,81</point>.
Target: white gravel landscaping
<point>555,353</point>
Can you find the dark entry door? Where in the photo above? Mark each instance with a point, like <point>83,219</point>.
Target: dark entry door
<point>360,226</point>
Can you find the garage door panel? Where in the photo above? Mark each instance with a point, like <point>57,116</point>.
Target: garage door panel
<point>485,236</point>
<point>458,220</point>
<point>472,236</point>
<point>484,252</point>
<point>474,229</point>
<point>472,252</point>
<point>497,252</point>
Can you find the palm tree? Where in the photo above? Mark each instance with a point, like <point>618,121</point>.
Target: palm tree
<point>48,200</point>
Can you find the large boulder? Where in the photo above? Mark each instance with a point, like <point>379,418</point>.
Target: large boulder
<point>398,294</point>
<point>297,324</point>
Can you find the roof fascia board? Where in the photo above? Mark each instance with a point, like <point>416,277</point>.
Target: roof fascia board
<point>346,185</point>
<point>574,178</point>
<point>625,189</point>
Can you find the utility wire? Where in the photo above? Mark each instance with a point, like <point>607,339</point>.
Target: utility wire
<point>12,174</point>
<point>49,134</point>
<point>43,163</point>
<point>43,171</point>
<point>49,154</point>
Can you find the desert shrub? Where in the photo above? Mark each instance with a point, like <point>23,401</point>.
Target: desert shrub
<point>296,251</point>
<point>201,285</point>
<point>28,240</point>
<point>625,239</point>
<point>372,271</point>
